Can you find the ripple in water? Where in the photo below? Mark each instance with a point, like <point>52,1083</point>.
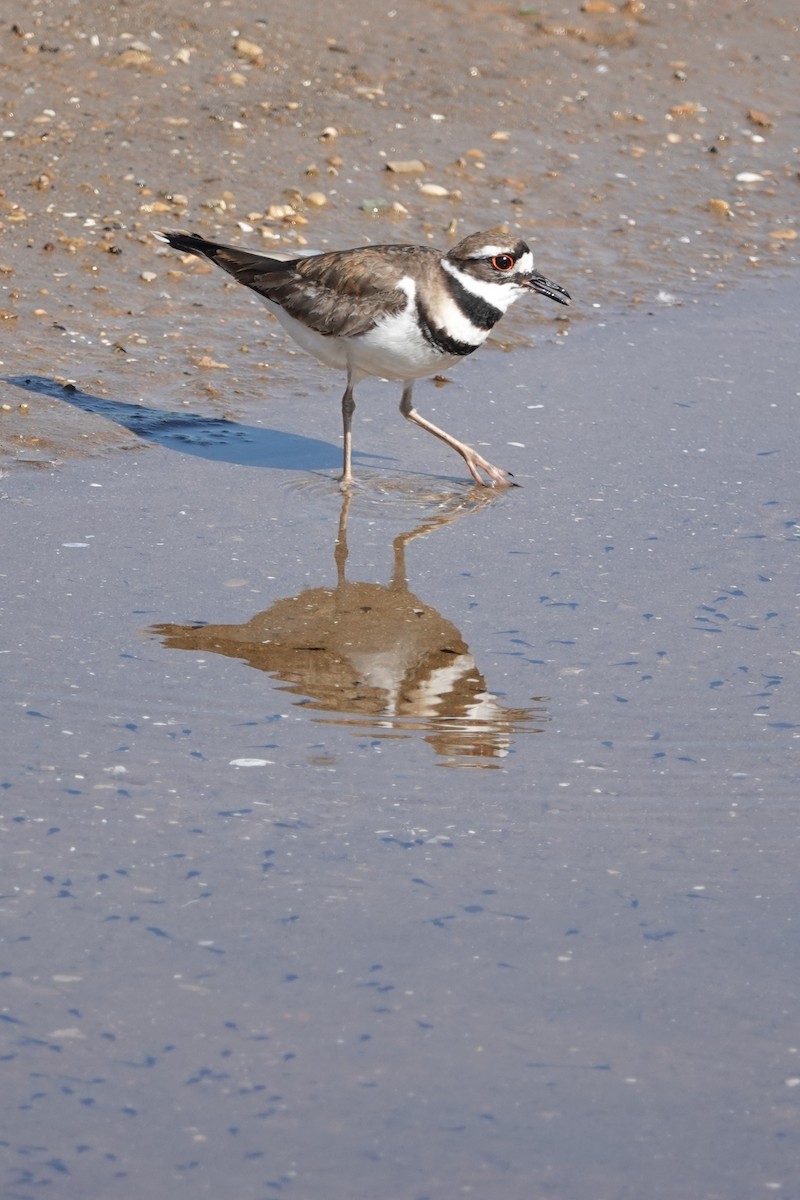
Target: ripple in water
<point>377,494</point>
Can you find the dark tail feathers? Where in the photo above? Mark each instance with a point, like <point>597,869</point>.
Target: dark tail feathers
<point>189,243</point>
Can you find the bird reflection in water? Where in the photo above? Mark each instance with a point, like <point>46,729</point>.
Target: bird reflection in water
<point>377,656</point>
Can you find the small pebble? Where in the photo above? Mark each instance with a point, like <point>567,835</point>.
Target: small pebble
<point>407,166</point>
<point>433,189</point>
<point>375,205</point>
<point>281,212</point>
<point>749,177</point>
<point>133,56</point>
<point>209,363</point>
<point>317,199</point>
<point>689,109</point>
<point>248,50</point>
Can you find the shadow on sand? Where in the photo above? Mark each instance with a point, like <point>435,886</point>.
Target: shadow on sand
<point>214,438</point>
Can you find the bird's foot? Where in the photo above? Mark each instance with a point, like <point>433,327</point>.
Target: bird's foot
<point>497,477</point>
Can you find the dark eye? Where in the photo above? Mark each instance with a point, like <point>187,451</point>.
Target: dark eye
<point>503,262</point>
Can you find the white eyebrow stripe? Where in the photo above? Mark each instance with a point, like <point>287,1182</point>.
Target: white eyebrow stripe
<point>491,251</point>
<point>524,265</point>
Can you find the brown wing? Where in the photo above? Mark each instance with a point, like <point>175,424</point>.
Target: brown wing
<point>339,294</point>
<point>346,292</point>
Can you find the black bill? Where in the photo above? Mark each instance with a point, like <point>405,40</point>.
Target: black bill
<point>546,288</point>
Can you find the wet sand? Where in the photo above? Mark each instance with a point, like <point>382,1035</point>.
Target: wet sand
<point>437,843</point>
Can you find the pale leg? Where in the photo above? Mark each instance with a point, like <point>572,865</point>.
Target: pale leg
<point>348,408</point>
<point>497,476</point>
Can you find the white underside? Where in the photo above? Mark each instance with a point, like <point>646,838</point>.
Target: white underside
<point>395,348</point>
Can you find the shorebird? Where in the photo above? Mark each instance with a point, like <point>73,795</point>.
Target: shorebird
<point>395,312</point>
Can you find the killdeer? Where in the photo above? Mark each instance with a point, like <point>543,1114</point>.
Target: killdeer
<point>396,312</point>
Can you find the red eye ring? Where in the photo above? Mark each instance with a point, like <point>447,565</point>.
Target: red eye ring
<point>503,262</point>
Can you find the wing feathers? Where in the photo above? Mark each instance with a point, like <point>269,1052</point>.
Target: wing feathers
<point>338,294</point>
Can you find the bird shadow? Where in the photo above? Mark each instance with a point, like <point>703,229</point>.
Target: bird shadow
<point>214,438</point>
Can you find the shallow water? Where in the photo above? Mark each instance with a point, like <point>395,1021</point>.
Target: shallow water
<point>433,844</point>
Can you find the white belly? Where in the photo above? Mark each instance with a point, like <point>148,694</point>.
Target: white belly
<point>394,349</point>
<point>329,350</point>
